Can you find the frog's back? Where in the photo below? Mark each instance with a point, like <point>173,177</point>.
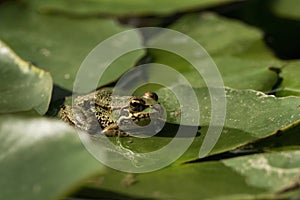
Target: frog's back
<point>103,97</point>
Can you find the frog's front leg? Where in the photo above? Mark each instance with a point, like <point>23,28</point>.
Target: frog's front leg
<point>113,130</point>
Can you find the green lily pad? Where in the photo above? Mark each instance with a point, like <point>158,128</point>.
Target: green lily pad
<point>271,167</point>
<point>262,176</point>
<point>23,86</point>
<point>41,159</point>
<point>121,8</point>
<point>291,83</point>
<point>236,72</point>
<point>60,44</point>
<point>250,116</point>
<point>287,8</point>
<point>243,108</point>
<point>242,59</point>
<point>288,140</point>
<point>218,35</point>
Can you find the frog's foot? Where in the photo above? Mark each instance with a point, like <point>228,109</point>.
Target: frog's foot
<point>114,130</point>
<point>64,114</point>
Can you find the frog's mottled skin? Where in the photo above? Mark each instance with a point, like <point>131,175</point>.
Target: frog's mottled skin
<point>116,115</point>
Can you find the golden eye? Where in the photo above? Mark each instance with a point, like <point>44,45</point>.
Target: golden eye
<point>151,95</point>
<point>137,104</point>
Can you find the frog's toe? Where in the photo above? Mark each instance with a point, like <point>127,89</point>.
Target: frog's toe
<point>113,130</point>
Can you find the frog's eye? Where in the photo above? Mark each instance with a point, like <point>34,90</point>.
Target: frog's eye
<point>151,95</point>
<point>137,104</point>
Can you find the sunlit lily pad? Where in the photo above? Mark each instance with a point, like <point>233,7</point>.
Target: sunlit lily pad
<point>250,116</point>
<point>23,86</point>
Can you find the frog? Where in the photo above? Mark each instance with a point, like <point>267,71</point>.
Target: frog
<point>113,115</point>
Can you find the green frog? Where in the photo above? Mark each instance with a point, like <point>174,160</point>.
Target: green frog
<point>111,115</point>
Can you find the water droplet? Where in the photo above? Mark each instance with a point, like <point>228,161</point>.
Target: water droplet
<point>67,76</point>
<point>45,52</point>
<point>3,50</point>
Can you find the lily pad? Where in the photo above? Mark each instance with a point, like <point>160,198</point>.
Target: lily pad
<point>262,176</point>
<point>250,116</point>
<point>60,44</point>
<point>291,82</point>
<point>41,159</point>
<point>218,35</point>
<point>242,59</point>
<point>121,8</point>
<point>236,72</point>
<point>243,108</point>
<point>288,140</point>
<point>23,86</point>
<point>287,8</point>
<point>271,167</point>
